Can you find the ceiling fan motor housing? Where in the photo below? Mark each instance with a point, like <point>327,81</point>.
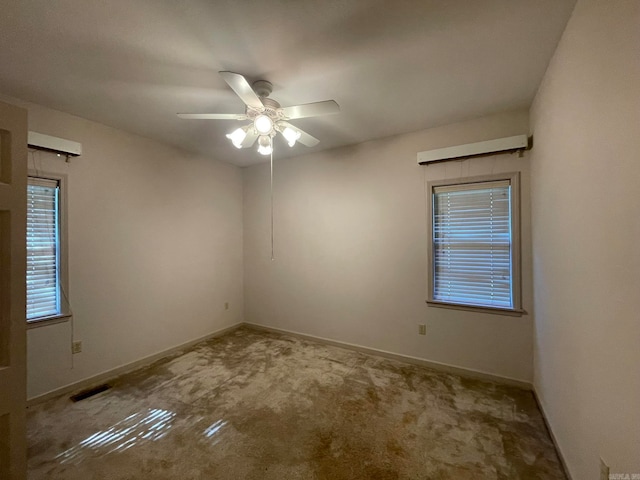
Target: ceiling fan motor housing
<point>262,88</point>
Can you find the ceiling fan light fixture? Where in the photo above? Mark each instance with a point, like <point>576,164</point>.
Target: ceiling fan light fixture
<point>237,136</point>
<point>265,116</point>
<point>263,124</point>
<point>264,145</point>
<point>291,135</point>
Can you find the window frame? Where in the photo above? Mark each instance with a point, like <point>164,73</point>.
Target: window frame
<point>516,279</point>
<point>63,265</point>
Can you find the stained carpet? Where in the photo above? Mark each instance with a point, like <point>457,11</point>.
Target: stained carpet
<point>257,405</point>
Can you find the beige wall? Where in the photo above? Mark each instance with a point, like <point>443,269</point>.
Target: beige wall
<point>351,243</point>
<point>155,250</point>
<point>586,234</point>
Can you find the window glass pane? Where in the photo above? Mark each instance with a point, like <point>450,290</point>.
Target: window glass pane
<point>43,269</point>
<point>472,257</point>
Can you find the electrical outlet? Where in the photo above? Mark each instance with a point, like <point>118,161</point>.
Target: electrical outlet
<point>604,470</point>
<point>226,305</point>
<point>76,347</point>
<point>422,329</point>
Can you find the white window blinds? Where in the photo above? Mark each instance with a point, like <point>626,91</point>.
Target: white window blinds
<point>43,252</point>
<point>472,244</point>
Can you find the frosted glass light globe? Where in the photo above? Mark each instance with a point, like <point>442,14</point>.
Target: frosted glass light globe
<point>237,137</point>
<point>263,124</point>
<point>291,135</point>
<point>264,145</point>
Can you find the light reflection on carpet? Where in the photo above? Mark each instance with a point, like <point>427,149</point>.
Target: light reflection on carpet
<point>212,430</point>
<point>149,425</point>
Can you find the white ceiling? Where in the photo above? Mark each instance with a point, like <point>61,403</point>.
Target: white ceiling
<point>393,66</point>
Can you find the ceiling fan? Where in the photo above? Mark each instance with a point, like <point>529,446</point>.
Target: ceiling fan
<point>266,115</point>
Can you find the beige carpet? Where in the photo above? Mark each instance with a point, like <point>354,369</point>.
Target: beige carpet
<point>255,405</point>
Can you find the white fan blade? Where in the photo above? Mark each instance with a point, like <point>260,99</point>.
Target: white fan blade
<point>311,109</point>
<point>242,88</point>
<point>305,138</point>
<point>213,116</point>
<point>250,139</point>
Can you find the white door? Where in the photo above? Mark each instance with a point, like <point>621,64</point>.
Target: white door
<point>13,214</point>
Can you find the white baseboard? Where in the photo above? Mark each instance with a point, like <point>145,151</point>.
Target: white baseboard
<point>552,435</point>
<point>442,367</point>
<point>114,373</point>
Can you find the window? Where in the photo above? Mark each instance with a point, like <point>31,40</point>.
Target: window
<point>474,254</point>
<point>45,292</point>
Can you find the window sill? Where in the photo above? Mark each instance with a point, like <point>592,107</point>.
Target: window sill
<point>471,308</point>
<point>46,321</point>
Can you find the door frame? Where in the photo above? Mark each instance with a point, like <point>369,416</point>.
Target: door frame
<point>13,340</point>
